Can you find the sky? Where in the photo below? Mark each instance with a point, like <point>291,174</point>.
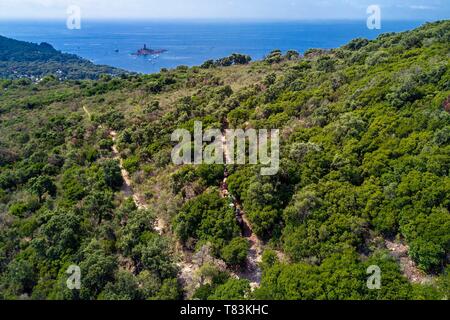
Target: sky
<point>428,10</point>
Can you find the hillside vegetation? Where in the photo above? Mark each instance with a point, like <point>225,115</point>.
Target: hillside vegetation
<point>365,159</point>
<point>19,59</point>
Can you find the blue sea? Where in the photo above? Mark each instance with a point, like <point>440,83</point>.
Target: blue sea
<point>190,42</point>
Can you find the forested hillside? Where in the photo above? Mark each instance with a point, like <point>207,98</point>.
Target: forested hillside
<point>19,59</point>
<point>364,179</point>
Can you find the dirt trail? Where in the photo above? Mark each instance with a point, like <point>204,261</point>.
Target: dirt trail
<point>252,271</point>
<point>127,188</point>
<point>188,269</point>
<point>87,112</point>
<point>407,265</point>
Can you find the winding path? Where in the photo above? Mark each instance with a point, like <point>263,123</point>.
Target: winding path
<point>127,189</point>
<point>252,271</point>
<point>188,269</point>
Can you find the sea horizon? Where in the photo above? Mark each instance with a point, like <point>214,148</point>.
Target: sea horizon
<point>191,42</point>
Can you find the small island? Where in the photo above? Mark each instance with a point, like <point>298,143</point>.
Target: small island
<point>147,51</point>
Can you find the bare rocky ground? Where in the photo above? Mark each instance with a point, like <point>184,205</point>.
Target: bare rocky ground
<point>409,268</point>
<point>252,271</point>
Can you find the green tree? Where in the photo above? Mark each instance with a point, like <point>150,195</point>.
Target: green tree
<point>112,174</point>
<point>124,287</point>
<point>19,277</point>
<point>170,290</point>
<point>235,253</point>
<point>42,185</point>
<point>59,236</point>
<point>233,289</point>
<point>207,218</point>
<point>97,269</point>
<point>100,205</point>
<point>156,257</point>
